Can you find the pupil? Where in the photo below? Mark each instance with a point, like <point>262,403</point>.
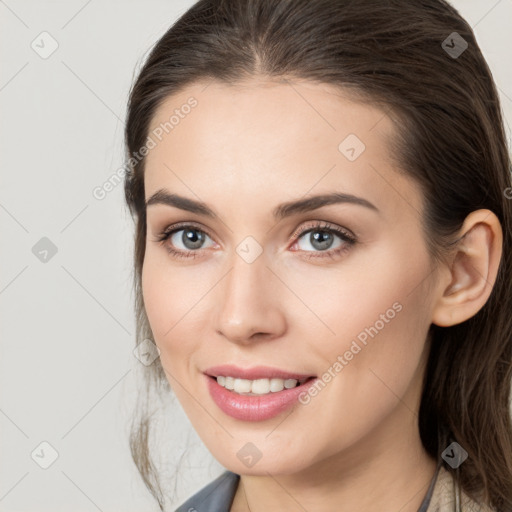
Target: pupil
<point>192,239</point>
<point>321,241</point>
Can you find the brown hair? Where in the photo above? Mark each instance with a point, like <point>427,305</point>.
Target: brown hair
<point>450,139</point>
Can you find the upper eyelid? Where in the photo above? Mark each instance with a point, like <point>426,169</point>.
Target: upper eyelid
<point>322,225</point>
<point>180,226</point>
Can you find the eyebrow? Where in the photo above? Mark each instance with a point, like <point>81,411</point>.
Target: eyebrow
<point>283,210</point>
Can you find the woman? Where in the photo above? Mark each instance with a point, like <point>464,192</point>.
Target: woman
<point>323,254</point>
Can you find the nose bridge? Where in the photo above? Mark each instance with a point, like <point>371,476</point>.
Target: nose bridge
<point>248,302</point>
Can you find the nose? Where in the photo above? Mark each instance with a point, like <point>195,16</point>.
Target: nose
<point>250,304</point>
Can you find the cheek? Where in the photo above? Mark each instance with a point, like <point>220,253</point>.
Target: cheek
<point>174,300</point>
<point>366,290</point>
<point>157,297</point>
<point>380,319</point>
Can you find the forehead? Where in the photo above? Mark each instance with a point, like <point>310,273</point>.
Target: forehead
<point>315,114</point>
<point>280,139</point>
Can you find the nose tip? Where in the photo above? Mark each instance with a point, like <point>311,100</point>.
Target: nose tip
<point>242,333</point>
<point>249,308</point>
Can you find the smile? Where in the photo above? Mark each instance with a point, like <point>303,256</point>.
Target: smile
<point>255,394</point>
<point>258,386</point>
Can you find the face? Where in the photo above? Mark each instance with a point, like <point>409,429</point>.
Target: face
<point>335,291</point>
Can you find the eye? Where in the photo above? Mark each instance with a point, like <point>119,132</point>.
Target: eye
<point>322,238</point>
<point>186,240</point>
<point>183,241</point>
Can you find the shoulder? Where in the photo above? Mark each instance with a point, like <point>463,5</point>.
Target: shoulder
<point>447,498</point>
<point>217,496</point>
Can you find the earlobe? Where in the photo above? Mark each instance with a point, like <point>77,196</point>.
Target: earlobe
<point>473,270</point>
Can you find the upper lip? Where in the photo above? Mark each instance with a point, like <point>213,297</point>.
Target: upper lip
<point>256,372</point>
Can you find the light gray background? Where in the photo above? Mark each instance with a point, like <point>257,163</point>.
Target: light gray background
<point>67,371</point>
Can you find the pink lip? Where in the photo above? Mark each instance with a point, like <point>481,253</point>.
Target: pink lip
<point>257,372</point>
<point>254,407</point>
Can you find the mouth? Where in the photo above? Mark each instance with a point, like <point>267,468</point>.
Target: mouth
<point>256,381</point>
<point>255,394</point>
<point>258,387</point>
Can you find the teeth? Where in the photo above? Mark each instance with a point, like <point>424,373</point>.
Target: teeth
<point>290,383</point>
<point>258,386</point>
<point>242,386</point>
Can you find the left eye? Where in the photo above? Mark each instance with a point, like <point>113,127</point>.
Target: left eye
<point>320,239</point>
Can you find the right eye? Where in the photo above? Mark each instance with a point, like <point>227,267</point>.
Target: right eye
<point>190,237</point>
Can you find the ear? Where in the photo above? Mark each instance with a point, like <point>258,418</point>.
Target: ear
<point>474,267</point>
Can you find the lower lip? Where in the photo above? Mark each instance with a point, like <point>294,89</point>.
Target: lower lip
<point>254,407</point>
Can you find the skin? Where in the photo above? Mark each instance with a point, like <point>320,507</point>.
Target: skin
<point>243,150</point>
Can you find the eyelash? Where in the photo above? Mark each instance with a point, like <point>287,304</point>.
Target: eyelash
<point>345,236</point>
